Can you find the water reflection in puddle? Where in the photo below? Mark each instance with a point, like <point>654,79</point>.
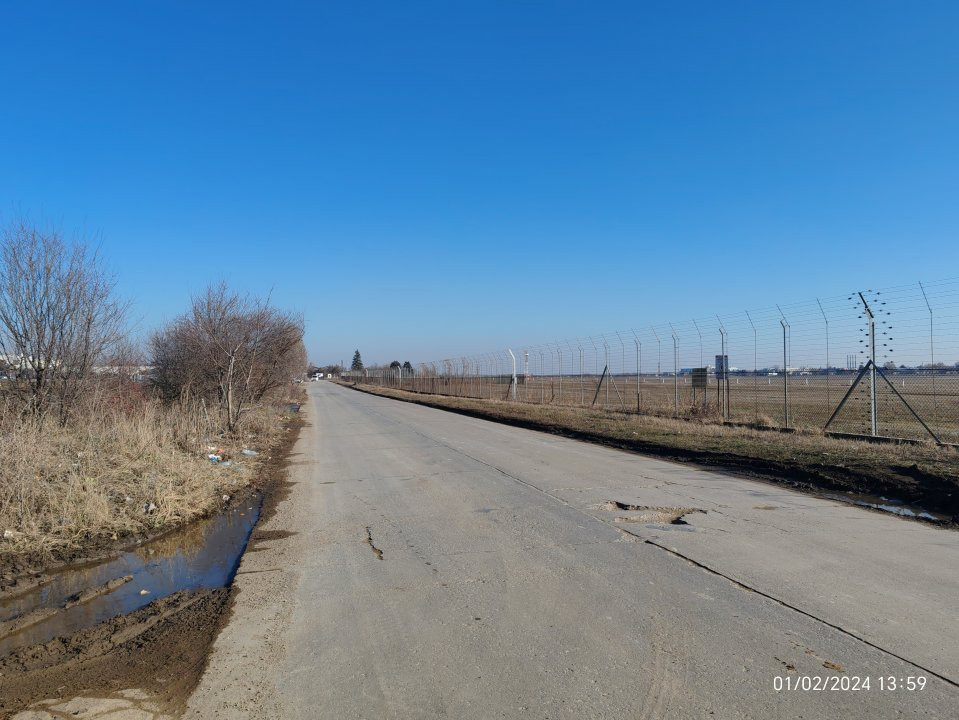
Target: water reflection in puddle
<point>898,510</point>
<point>204,555</point>
<point>888,505</point>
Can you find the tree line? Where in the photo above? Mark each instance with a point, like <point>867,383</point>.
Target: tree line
<point>357,364</point>
<point>64,334</point>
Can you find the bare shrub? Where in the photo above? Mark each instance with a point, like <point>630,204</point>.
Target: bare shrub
<point>228,350</point>
<point>58,318</point>
<point>123,460</point>
<point>116,470</point>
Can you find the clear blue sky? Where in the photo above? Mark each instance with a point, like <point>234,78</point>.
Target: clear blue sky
<point>431,178</point>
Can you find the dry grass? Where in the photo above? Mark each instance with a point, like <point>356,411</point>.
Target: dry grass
<point>923,474</point>
<point>119,471</point>
<point>685,434</point>
<point>753,400</point>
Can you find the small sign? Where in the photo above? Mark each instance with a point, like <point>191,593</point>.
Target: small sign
<point>699,378</point>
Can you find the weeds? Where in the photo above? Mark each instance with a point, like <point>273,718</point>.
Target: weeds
<point>117,472</point>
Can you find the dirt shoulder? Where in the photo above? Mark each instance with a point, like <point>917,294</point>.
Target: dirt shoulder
<point>921,476</point>
<point>239,679</point>
<point>148,661</point>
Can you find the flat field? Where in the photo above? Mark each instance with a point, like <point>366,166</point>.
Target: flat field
<point>753,399</point>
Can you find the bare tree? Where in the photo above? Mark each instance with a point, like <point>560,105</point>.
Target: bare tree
<point>231,349</point>
<point>58,317</point>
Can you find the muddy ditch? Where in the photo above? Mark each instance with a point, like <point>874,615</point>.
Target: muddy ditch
<point>205,554</point>
<point>143,618</point>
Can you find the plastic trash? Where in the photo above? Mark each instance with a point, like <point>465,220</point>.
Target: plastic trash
<point>249,453</point>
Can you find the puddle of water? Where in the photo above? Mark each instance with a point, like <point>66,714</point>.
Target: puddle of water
<point>888,505</point>
<point>204,555</point>
<point>899,510</point>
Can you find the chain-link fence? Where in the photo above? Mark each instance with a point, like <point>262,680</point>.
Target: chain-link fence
<point>872,362</point>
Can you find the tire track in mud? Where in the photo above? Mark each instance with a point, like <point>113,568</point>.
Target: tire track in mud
<point>151,649</point>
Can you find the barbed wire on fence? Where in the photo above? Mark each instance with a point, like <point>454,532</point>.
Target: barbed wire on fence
<point>882,362</point>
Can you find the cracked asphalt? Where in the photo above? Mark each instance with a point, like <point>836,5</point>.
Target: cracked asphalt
<point>432,565</point>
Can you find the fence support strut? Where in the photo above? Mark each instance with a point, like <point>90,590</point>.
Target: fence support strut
<point>600,384</point>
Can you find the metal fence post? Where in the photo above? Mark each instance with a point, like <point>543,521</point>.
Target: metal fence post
<point>622,367</point>
<point>526,373</point>
<point>871,320</point>
<point>513,386</point>
<point>552,372</point>
<point>725,384</point>
<point>559,357</point>
<point>675,370</point>
<point>659,352</point>
<point>582,386</point>
<point>826,320</point>
<point>755,365</point>
<point>932,353</point>
<point>595,363</point>
<point>696,325</point>
<point>639,351</point>
<point>782,321</point>
<point>606,364</point>
<point>542,373</point>
<point>490,375</point>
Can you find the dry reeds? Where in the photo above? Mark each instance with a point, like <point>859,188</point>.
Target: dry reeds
<point>117,470</point>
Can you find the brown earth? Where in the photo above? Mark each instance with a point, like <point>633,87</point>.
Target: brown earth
<point>159,650</point>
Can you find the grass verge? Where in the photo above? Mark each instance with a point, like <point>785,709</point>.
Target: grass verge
<point>69,494</point>
<point>921,476</point>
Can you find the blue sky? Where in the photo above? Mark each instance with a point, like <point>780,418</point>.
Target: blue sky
<point>423,179</point>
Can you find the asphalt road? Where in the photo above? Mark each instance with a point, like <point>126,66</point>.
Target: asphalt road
<point>431,565</point>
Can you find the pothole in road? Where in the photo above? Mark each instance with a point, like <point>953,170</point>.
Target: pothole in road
<point>650,513</point>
